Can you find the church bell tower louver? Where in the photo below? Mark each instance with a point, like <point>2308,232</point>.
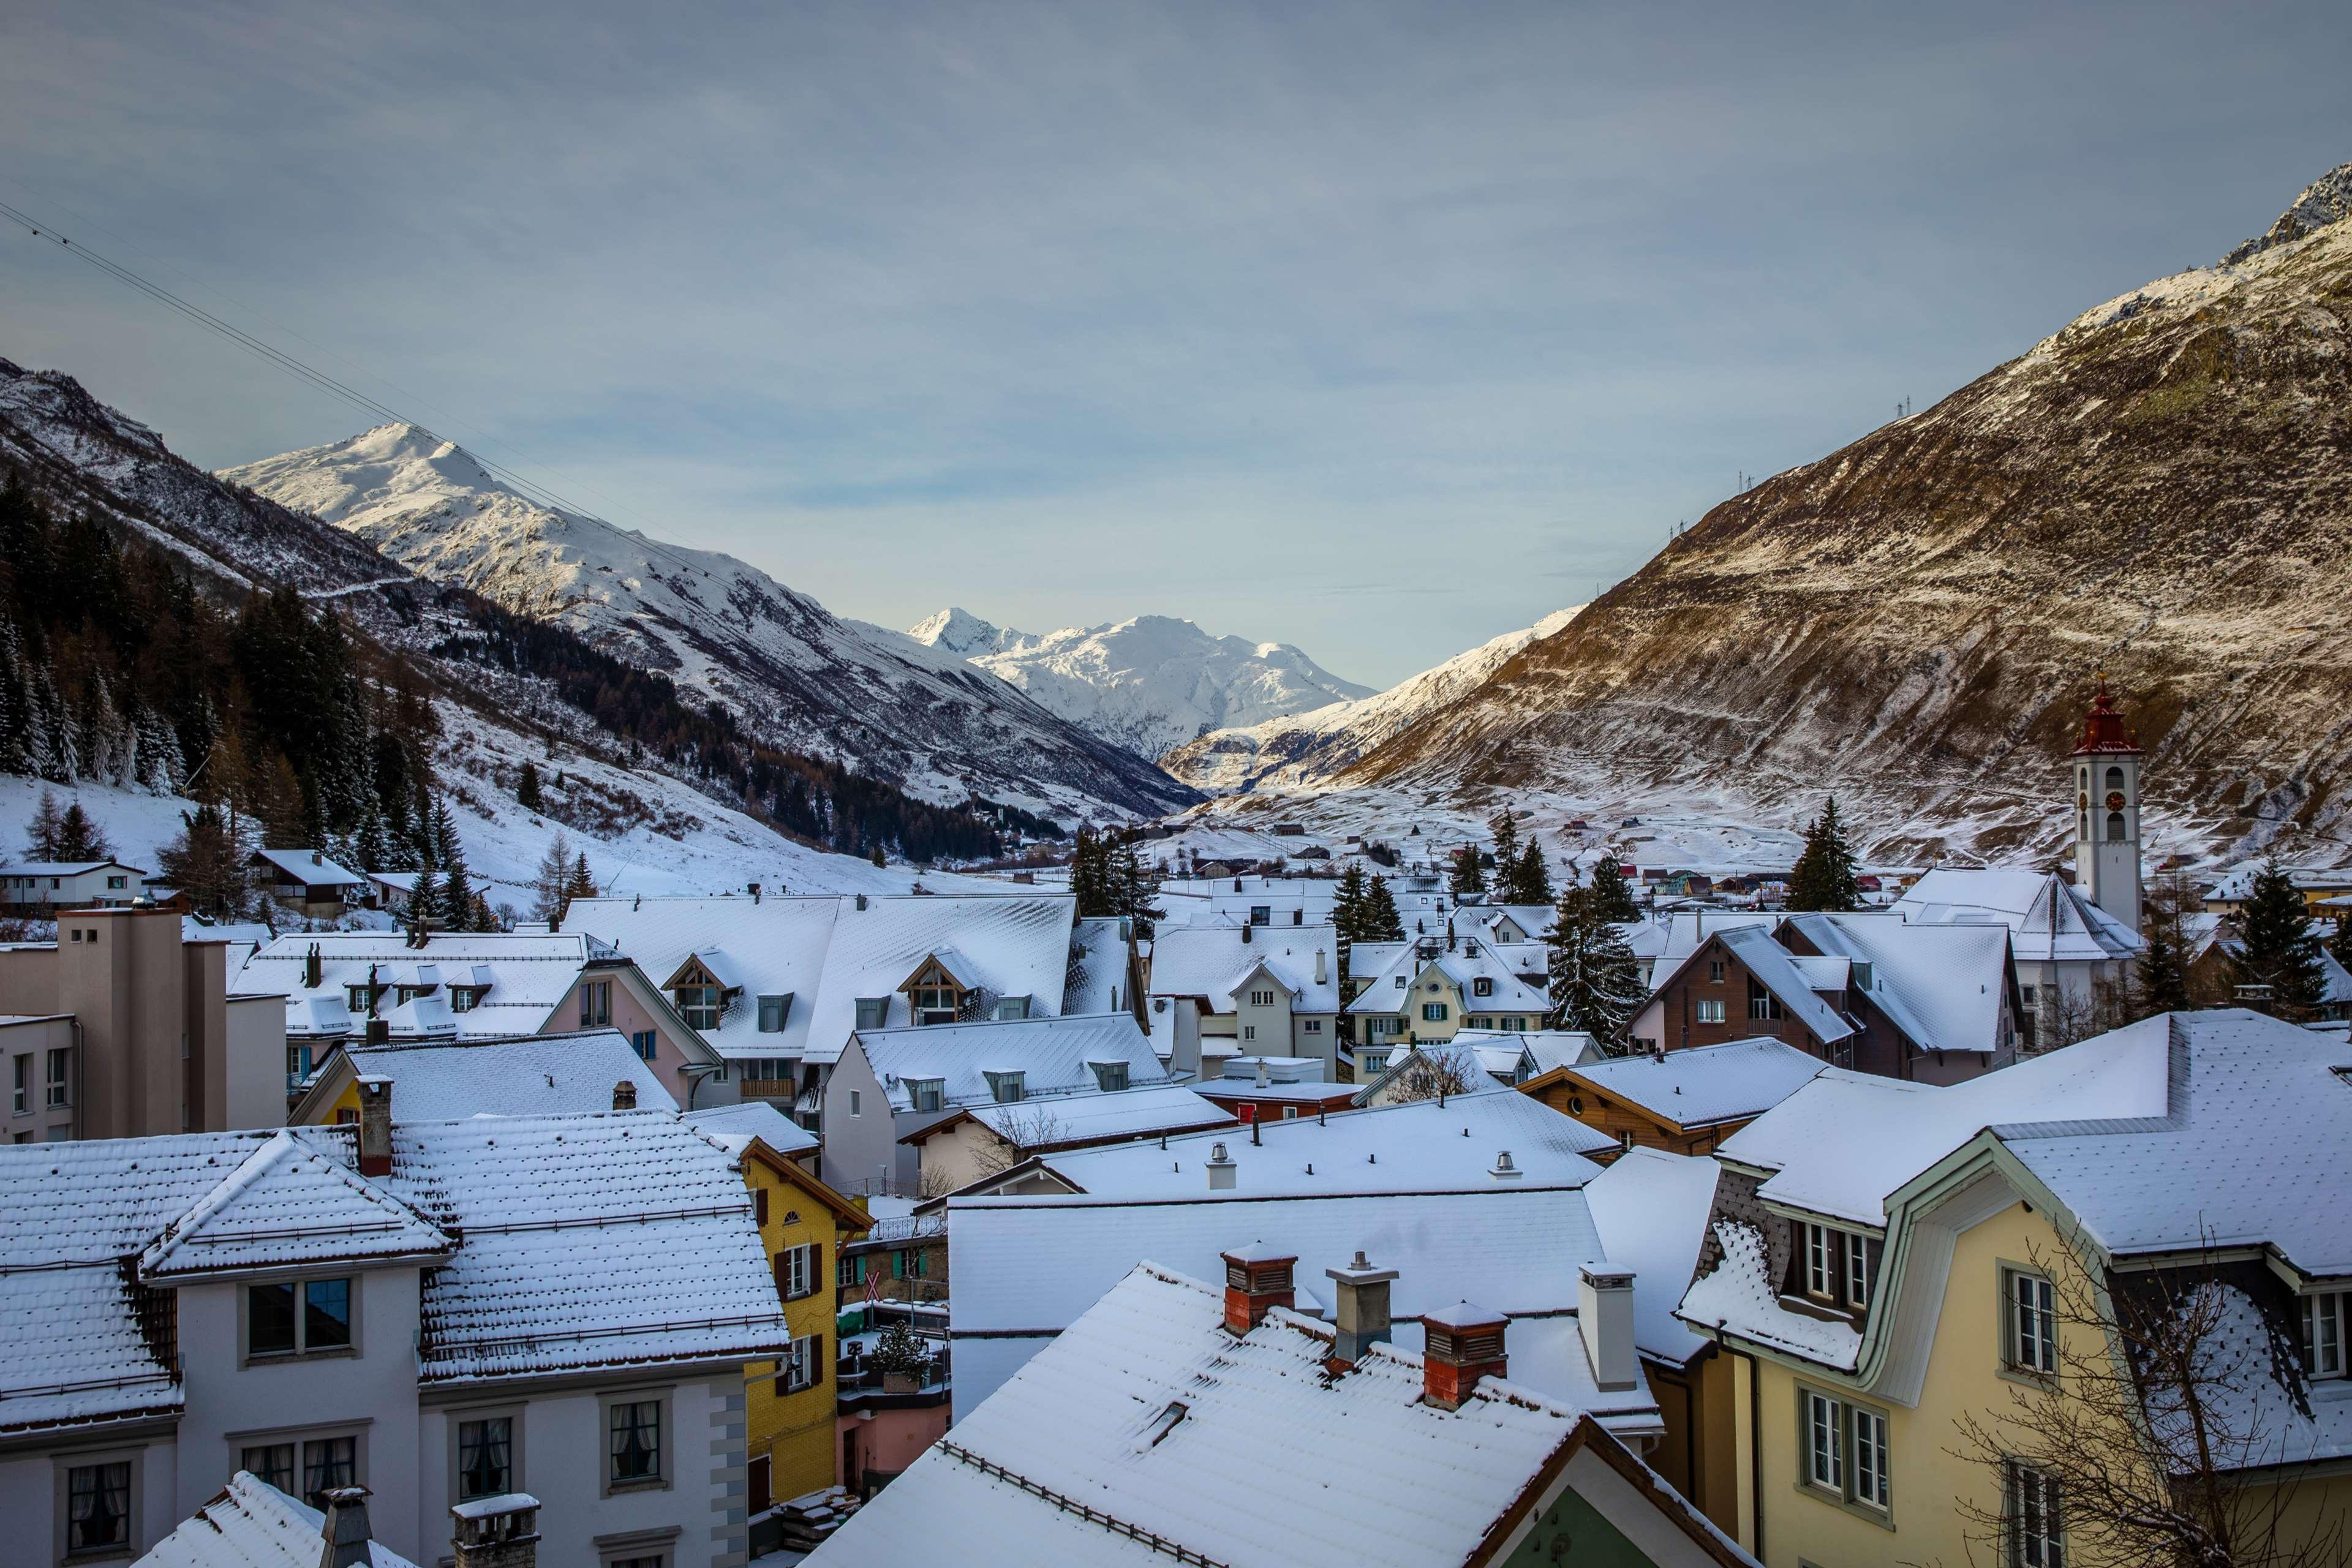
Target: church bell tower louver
<point>2107,810</point>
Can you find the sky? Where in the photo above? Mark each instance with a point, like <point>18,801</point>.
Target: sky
<point>1376,328</point>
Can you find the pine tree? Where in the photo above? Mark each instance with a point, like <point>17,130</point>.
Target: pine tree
<point>1468,875</point>
<point>550,883</point>
<point>1090,874</point>
<point>79,839</point>
<point>1382,922</point>
<point>1530,878</point>
<point>1596,985</point>
<point>1824,877</point>
<point>1615,899</point>
<point>1347,901</point>
<point>62,750</point>
<point>423,905</point>
<point>527,793</point>
<point>2275,947</point>
<point>2162,975</point>
<point>1506,828</point>
<point>460,906</point>
<point>1133,888</point>
<point>206,864</point>
<point>42,835</point>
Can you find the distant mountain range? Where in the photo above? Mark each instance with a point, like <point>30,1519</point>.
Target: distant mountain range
<point>792,673</point>
<point>2162,488</point>
<point>1149,684</point>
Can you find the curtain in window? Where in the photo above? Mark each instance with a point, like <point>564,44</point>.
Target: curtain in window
<point>482,1455</point>
<point>97,1506</point>
<point>328,1463</point>
<point>637,1440</point>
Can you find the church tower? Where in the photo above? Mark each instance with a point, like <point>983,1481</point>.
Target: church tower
<point>2107,810</point>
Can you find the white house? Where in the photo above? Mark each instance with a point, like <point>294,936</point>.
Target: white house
<point>2067,949</point>
<point>37,886</point>
<point>1253,991</point>
<point>439,1311</point>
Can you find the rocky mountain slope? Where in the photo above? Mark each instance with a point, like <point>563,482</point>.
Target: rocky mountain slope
<point>1151,683</point>
<point>2163,487</point>
<point>1304,748</point>
<point>794,673</point>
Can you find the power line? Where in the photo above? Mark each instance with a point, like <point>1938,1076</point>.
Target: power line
<point>271,355</point>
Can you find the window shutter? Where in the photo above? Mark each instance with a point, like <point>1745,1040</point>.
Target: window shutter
<point>759,1206</point>
<point>783,1275</point>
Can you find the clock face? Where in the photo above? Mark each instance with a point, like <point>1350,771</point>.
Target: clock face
<point>2115,799</point>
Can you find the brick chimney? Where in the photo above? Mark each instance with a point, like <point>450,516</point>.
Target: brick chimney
<point>1361,1315</point>
<point>1604,1317</point>
<point>1460,1344</point>
<point>345,1529</point>
<point>625,1096</point>
<point>1256,1276</point>
<point>499,1531</point>
<point>375,1126</point>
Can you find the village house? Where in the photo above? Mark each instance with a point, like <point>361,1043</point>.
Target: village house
<point>1453,1067</point>
<point>511,1075</point>
<point>1426,994</point>
<point>379,987</point>
<point>777,986</point>
<point>441,1311</point>
<point>41,887</point>
<point>1274,1088</point>
<point>121,1028</point>
<point>307,882</point>
<point>1889,1260</point>
<point>1684,1102</point>
<point>2070,955</point>
<point>902,1258</point>
<point>2212,950</point>
<point>1503,925</point>
<point>249,1523</point>
<point>1186,1417</point>
<point>1253,990</point>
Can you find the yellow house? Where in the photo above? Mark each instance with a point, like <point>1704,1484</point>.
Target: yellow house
<point>789,1404</point>
<point>1932,1299</point>
<point>1424,996</point>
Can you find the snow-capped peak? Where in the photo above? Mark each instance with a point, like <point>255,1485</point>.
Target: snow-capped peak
<point>959,632</point>
<point>2327,199</point>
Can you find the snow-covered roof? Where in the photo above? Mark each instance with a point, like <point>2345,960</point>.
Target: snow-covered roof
<point>252,1524</point>
<point>527,977</point>
<point>1418,1147</point>
<point>2335,980</point>
<point>1473,919</point>
<point>827,953</point>
<point>2237,884</point>
<point>309,867</point>
<point>1475,959</point>
<point>1649,1209</point>
<point>1704,1085</point>
<point>1547,1048</point>
<point>1055,1056</point>
<point>1477,1069</point>
<point>1842,1142</point>
<point>1687,931</point>
<point>2048,918</point>
<point>1213,961</point>
<point>733,1126</point>
<point>1775,968</point>
<point>1942,985</point>
<point>1170,1427</point>
<point>65,867</point>
<point>521,1075</point>
<point>1094,1117</point>
<point>1098,972</point>
<point>580,1242</point>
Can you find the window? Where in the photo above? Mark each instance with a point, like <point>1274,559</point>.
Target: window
<point>935,1004</point>
<point>329,1463</point>
<point>643,1042</point>
<point>855,1099</point>
<point>271,1462</point>
<point>796,1271</point>
<point>1310,1026</point>
<point>873,1012</point>
<point>1261,914</point>
<point>1844,1448</point>
<point>802,1366</point>
<point>928,1092</point>
<point>1110,1076</point>
<point>848,1271</point>
<point>358,998</point>
<point>1869,1430</point>
<point>60,1063</point>
<point>1261,998</point>
<point>2323,1333</point>
<point>698,1004</point>
<point>1824,1443</point>
<point>461,998</point>
<point>1710,1010</point>
<point>2037,1537</point>
<point>1715,972</point>
<point>2031,1337</point>
<point>485,1456</point>
<point>1373,1061</point>
<point>1482,985</point>
<point>290,1318</point>
<point>2116,833</point>
<point>1249,1031</point>
<point>759,1207</point>
<point>773,1011</point>
<point>1400,981</point>
<point>97,1506</point>
<point>633,1453</point>
<point>117,882</point>
<point>1857,1270</point>
<point>23,1085</point>
<point>1007,1088</point>
<point>1433,1012</point>
<point>1761,1003</point>
<point>1014,1007</point>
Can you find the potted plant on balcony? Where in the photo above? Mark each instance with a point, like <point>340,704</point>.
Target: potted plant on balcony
<point>901,1358</point>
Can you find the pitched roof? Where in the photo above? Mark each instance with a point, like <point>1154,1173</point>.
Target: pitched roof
<point>1053,1054</point>
<point>2048,918</point>
<point>1548,1048</point>
<point>1175,1432</point>
<point>733,1126</point>
<point>1706,1084</point>
<point>1942,985</point>
<point>1087,1118</point>
<point>1213,961</point>
<point>252,1524</point>
<point>519,1075</point>
<point>1775,968</point>
<point>309,867</point>
<point>290,1202</point>
<point>1686,932</point>
<point>1475,959</point>
<point>1651,1208</point>
<point>526,976</point>
<point>66,867</point>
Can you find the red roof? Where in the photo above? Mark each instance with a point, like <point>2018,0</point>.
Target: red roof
<point>2103,729</point>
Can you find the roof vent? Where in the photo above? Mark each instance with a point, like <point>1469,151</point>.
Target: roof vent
<point>1502,1170</point>
<point>1222,1170</point>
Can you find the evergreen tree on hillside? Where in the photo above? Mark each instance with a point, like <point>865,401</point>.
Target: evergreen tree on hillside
<point>42,833</point>
<point>1382,922</point>
<point>459,907</point>
<point>1526,879</point>
<point>527,795</point>
<point>1468,876</point>
<point>1596,985</point>
<point>1825,874</point>
<point>423,906</point>
<point>2276,948</point>
<point>550,883</point>
<point>1091,880</point>
<point>66,835</point>
<point>1613,897</point>
<point>582,885</point>
<point>1506,829</point>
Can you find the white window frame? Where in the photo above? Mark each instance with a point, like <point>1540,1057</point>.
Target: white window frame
<point>1846,1454</point>
<point>2029,1322</point>
<point>1710,1009</point>
<point>2324,1319</point>
<point>1822,1422</point>
<point>2037,1518</point>
<point>1857,1270</point>
<point>800,1270</point>
<point>798,1371</point>
<point>1821,1262</point>
<point>56,1077</point>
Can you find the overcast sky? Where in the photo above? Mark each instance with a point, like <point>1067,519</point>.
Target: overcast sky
<point>1379,329</point>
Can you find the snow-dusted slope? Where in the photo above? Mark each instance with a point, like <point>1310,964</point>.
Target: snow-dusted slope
<point>793,672</point>
<point>1306,748</point>
<point>1149,684</point>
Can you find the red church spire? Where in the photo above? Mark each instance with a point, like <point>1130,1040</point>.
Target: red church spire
<point>2103,728</point>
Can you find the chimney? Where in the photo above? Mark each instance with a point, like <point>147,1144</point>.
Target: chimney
<point>312,971</point>
<point>1264,1077</point>
<point>625,1096</point>
<point>317,858</point>
<point>379,1031</point>
<point>1222,1170</point>
<point>345,1529</point>
<point>1245,933</point>
<point>1257,1278</point>
<point>1502,1170</point>
<point>1362,1311</point>
<point>1459,1345</point>
<point>1322,968</point>
<point>496,1531</point>
<point>861,901</point>
<point>375,1126</point>
<point>1604,1316</point>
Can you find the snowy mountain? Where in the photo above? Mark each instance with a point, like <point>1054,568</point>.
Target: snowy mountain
<point>1149,684</point>
<point>794,673</point>
<point>2161,488</point>
<point>1302,749</point>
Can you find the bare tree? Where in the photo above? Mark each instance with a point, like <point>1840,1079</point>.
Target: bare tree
<point>2146,1440</point>
<point>1431,1071</point>
<point>1021,1132</point>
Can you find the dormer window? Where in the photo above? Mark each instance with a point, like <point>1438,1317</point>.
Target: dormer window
<point>1009,1008</point>
<point>927,1093</point>
<point>1110,1076</point>
<point>355,997</point>
<point>1482,986</point>
<point>1833,1266</point>
<point>699,1005</point>
<point>934,1004</point>
<point>2323,1325</point>
<point>1007,1088</point>
<point>1261,998</point>
<point>774,1012</point>
<point>873,1012</point>
<point>462,999</point>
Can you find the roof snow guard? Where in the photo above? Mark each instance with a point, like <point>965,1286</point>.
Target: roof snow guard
<point>2103,729</point>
